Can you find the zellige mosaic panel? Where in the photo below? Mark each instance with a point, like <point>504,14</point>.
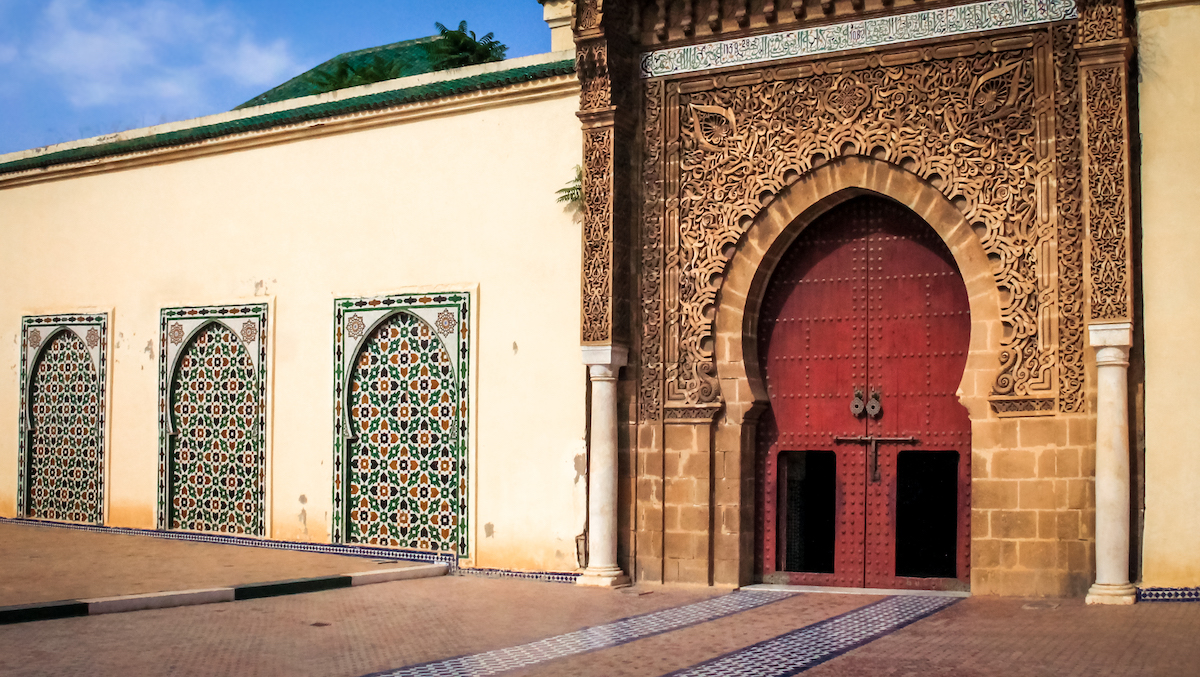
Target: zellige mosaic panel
<point>401,421</point>
<point>212,419</point>
<point>61,446</point>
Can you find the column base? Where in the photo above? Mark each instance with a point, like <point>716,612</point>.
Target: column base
<point>1110,593</point>
<point>603,578</point>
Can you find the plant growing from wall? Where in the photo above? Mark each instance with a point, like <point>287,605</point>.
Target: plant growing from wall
<point>572,193</point>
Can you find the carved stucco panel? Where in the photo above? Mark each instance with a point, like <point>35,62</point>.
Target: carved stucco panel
<point>1069,173</point>
<point>1108,266</point>
<point>981,128</point>
<point>597,235</point>
<point>650,280</point>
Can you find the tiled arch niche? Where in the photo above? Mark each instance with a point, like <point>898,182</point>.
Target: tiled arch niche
<point>212,461</point>
<point>401,421</point>
<point>62,422</point>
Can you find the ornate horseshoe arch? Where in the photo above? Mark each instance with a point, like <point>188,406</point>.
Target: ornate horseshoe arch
<point>779,223</point>
<point>719,148</point>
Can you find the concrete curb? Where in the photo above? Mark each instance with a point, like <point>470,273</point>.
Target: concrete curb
<point>23,613</point>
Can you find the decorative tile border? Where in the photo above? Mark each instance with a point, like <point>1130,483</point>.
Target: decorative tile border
<point>807,647</point>
<point>176,328</point>
<point>1168,594</point>
<point>876,32</point>
<point>543,576</point>
<point>92,329</point>
<point>591,639</point>
<point>370,552</point>
<point>449,313</point>
<point>348,550</point>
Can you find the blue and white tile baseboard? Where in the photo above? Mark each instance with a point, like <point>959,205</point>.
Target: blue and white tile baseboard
<point>1168,594</point>
<point>1143,595</point>
<point>545,576</point>
<point>372,552</point>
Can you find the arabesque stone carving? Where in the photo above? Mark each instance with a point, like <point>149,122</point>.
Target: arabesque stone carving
<point>967,125</point>
<point>1069,172</point>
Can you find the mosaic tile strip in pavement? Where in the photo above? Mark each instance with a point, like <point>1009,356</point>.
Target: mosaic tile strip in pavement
<point>801,649</point>
<point>544,576</point>
<point>591,639</point>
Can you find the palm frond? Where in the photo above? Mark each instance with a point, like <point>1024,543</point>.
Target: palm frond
<point>460,47</point>
<point>572,193</point>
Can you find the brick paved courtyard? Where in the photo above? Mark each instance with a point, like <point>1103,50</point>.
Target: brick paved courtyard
<point>384,627</point>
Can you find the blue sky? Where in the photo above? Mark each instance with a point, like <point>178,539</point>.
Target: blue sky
<point>71,69</point>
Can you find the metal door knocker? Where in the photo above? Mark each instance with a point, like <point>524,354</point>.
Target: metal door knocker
<point>857,406</point>
<point>873,407</point>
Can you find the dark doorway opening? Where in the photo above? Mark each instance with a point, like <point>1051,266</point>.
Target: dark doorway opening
<point>926,513</point>
<point>808,492</point>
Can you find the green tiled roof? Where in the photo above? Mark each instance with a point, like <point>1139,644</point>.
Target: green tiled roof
<point>411,54</point>
<point>368,102</point>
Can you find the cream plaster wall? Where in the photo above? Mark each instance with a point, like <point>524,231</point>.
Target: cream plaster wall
<point>463,200</point>
<point>1169,100</point>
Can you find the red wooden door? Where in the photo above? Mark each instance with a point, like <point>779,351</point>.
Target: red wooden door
<point>868,303</point>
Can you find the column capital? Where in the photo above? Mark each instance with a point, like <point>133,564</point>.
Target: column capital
<point>1110,335</point>
<point>612,355</point>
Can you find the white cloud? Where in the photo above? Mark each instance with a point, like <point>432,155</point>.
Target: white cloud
<point>167,55</point>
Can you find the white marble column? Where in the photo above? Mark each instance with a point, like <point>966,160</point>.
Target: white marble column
<point>1111,343</point>
<point>603,364</point>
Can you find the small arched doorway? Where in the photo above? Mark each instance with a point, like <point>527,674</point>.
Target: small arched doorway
<point>864,453</point>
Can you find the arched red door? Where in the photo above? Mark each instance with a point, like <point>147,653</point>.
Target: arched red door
<point>864,457</point>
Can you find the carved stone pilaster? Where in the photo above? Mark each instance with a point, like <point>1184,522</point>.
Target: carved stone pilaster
<point>604,55</point>
<point>1104,56</point>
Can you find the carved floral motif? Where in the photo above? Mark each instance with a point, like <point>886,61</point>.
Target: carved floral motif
<point>650,278</point>
<point>597,235</point>
<point>966,125</point>
<point>1101,20</point>
<point>1069,173</point>
<point>603,54</point>
<point>1104,89</point>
